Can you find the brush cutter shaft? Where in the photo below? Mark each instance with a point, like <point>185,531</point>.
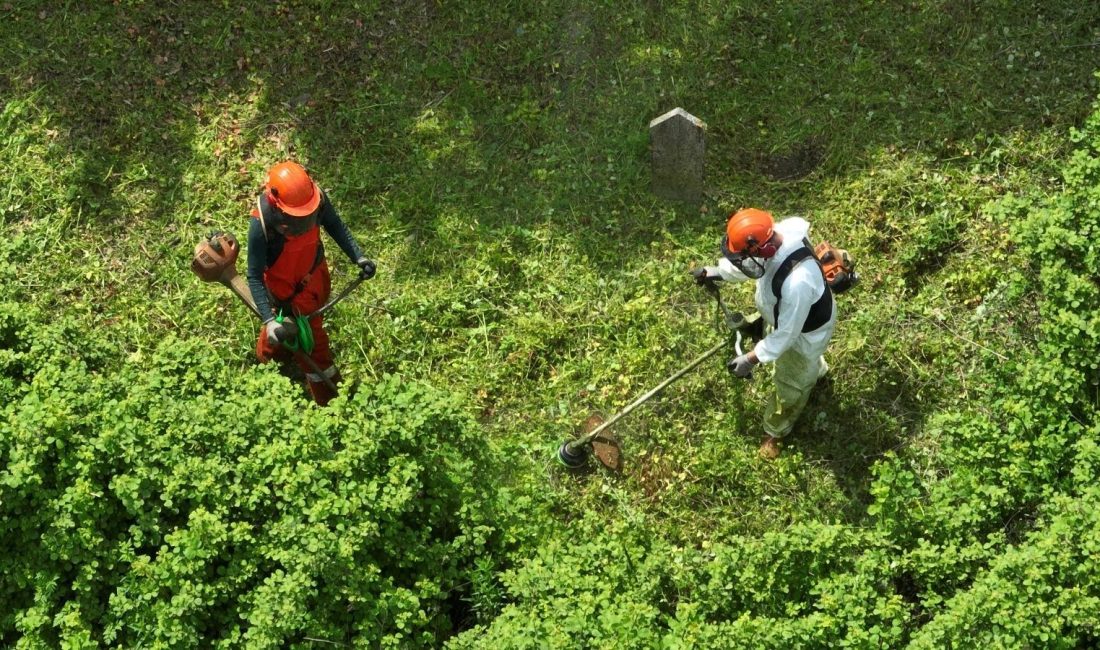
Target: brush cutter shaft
<point>291,324</point>
<point>238,286</point>
<point>340,296</point>
<point>298,354</point>
<point>580,442</point>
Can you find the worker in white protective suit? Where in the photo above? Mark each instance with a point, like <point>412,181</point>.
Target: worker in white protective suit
<point>795,303</point>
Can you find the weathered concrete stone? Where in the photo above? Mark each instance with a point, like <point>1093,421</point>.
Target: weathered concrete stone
<point>677,144</point>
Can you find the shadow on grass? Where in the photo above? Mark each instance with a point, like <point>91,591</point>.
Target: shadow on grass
<point>848,432</point>
<point>533,115</point>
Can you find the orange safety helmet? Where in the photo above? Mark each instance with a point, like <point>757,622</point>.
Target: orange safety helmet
<point>749,232</point>
<point>291,189</point>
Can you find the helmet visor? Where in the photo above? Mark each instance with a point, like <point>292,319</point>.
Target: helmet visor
<point>750,265</point>
<point>294,226</point>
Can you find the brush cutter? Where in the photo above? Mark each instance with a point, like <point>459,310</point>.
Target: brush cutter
<point>215,260</point>
<point>574,454</point>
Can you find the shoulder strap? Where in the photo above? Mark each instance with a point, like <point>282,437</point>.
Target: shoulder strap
<point>785,269</point>
<point>261,210</point>
<point>821,310</point>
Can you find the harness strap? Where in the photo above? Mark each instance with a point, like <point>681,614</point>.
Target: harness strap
<point>262,211</point>
<point>822,310</point>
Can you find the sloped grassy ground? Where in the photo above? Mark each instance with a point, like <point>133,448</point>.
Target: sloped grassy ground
<point>982,531</point>
<point>493,160</point>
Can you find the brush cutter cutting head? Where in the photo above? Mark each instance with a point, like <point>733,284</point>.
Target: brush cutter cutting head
<point>573,457</point>
<point>604,447</point>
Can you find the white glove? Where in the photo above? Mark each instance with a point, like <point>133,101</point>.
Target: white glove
<point>741,366</point>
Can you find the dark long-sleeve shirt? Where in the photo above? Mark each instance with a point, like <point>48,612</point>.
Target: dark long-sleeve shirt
<point>263,251</point>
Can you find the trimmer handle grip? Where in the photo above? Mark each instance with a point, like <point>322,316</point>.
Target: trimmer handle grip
<point>288,330</point>
<point>740,351</point>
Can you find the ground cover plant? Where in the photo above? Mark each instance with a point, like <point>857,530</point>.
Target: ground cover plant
<point>158,488</point>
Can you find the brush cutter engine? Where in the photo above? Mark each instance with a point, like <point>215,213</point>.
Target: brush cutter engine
<point>215,257</point>
<point>838,267</point>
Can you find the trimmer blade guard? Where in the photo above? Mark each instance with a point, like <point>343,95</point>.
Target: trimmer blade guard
<point>606,449</point>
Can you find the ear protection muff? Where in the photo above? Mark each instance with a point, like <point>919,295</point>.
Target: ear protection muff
<point>767,250</point>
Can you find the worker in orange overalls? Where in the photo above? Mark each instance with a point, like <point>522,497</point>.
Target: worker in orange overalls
<point>287,272</point>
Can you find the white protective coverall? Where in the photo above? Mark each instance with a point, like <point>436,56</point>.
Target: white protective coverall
<point>798,355</point>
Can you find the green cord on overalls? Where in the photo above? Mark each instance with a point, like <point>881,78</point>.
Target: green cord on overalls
<point>304,340</point>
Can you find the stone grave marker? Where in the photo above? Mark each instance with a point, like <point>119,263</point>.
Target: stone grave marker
<point>677,145</point>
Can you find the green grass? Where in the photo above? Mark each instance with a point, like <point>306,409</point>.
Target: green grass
<point>492,157</point>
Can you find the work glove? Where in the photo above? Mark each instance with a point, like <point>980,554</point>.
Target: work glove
<point>740,366</point>
<point>366,267</point>
<point>276,333</point>
<point>704,277</point>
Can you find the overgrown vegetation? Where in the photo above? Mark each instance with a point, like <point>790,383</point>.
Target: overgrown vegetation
<point>175,502</point>
<point>159,489</point>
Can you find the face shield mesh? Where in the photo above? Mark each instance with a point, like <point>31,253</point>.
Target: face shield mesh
<point>750,265</point>
<point>294,226</point>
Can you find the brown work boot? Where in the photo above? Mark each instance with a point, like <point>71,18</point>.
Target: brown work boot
<point>769,448</point>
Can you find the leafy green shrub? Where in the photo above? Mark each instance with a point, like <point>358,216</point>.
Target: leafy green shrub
<point>620,586</point>
<point>1030,443</point>
<point>175,502</point>
<point>1042,594</point>
<point>588,588</point>
<point>500,189</point>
